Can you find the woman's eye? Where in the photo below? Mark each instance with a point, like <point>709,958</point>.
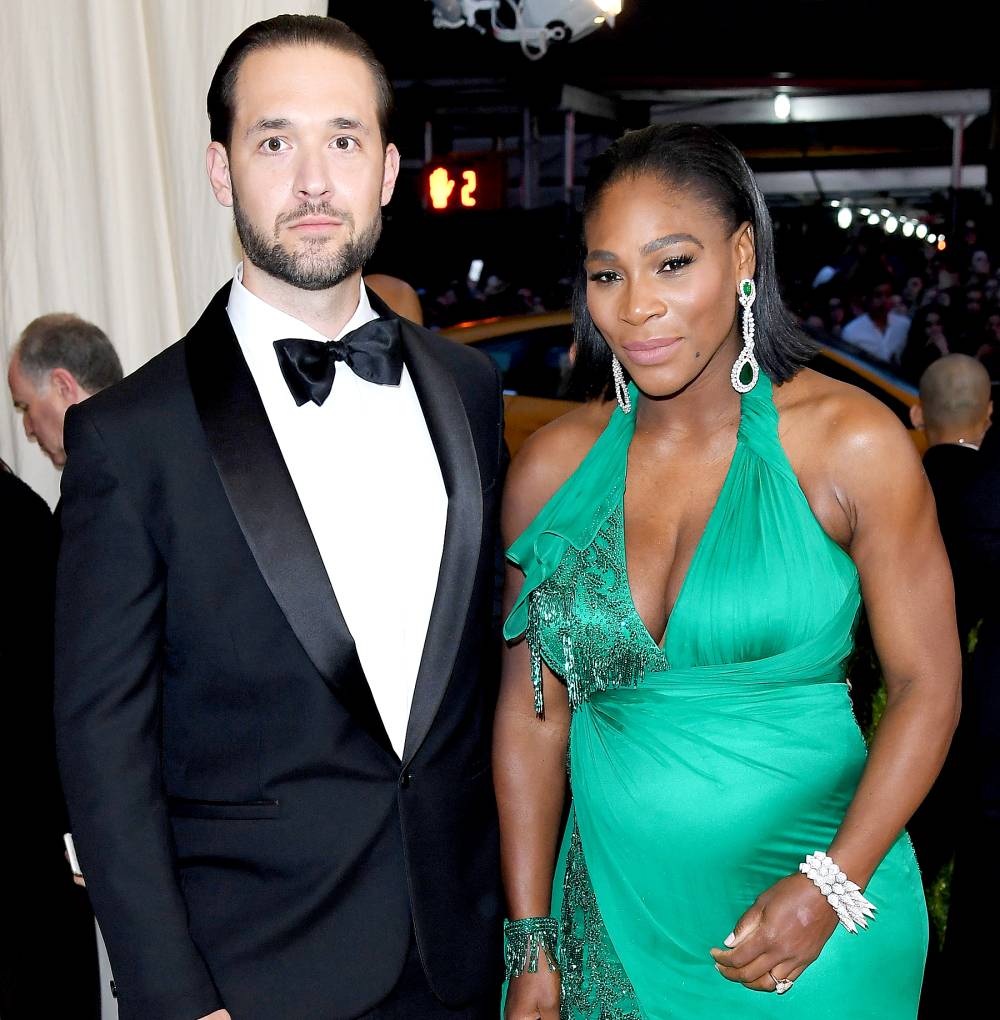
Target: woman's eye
<point>604,276</point>
<point>677,262</point>
<point>273,144</point>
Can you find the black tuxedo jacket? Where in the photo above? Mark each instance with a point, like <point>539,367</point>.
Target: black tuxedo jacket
<point>250,838</point>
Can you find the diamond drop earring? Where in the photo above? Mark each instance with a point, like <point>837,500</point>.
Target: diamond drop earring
<point>621,390</point>
<point>747,294</point>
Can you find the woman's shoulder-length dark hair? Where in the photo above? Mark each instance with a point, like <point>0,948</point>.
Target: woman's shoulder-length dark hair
<point>696,158</point>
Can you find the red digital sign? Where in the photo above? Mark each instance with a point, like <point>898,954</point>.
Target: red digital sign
<point>461,182</point>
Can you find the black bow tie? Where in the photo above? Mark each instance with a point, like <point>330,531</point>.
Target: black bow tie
<point>372,352</point>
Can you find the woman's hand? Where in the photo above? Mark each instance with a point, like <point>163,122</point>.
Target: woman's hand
<point>779,936</point>
<point>531,996</point>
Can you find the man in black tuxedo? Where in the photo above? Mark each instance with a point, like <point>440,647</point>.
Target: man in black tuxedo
<point>48,927</point>
<point>955,412</point>
<point>275,662</point>
<point>975,904</point>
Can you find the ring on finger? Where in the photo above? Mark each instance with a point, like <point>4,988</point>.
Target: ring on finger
<point>781,985</point>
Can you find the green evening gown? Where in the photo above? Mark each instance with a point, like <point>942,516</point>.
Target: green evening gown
<point>703,771</point>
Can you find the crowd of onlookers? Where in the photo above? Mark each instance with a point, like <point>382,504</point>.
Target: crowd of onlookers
<point>909,307</point>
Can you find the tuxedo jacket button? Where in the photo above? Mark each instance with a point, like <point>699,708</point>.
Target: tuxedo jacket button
<point>405,779</point>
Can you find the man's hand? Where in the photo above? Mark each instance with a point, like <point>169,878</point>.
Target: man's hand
<point>77,879</point>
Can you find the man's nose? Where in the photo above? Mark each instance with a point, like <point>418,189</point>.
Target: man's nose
<point>312,179</point>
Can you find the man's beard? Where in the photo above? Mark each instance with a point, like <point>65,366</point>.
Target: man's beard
<point>312,268</point>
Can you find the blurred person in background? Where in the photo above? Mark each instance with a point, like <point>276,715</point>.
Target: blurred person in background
<point>912,293</point>
<point>48,947</point>
<point>954,411</point>
<point>59,361</point>
<point>879,331</point>
<point>975,903</point>
<point>398,295</point>
<point>927,341</point>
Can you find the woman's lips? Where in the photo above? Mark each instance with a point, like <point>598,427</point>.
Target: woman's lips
<point>651,352</point>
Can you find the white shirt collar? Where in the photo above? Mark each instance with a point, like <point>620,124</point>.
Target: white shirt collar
<point>256,322</point>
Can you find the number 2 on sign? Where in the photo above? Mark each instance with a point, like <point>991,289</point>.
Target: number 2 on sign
<point>469,176</point>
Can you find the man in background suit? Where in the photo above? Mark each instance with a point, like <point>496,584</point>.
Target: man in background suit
<point>275,666</point>
<point>59,360</point>
<point>975,905</point>
<point>955,412</point>
<point>48,946</point>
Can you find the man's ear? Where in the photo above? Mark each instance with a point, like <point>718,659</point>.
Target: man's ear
<point>64,384</point>
<point>390,172</point>
<point>917,416</point>
<point>217,164</point>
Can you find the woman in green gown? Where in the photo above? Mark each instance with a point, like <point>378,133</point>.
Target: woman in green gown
<point>687,567</point>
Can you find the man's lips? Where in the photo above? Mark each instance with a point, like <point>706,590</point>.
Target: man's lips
<point>315,224</point>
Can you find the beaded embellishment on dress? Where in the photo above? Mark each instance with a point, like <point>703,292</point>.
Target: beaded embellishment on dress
<point>583,624</point>
<point>594,983</point>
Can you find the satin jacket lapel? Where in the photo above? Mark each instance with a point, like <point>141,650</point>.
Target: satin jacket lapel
<point>265,503</point>
<point>449,430</point>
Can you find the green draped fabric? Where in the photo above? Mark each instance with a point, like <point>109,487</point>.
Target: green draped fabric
<point>704,770</point>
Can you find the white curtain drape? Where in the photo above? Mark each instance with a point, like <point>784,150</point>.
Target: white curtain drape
<point>105,208</point>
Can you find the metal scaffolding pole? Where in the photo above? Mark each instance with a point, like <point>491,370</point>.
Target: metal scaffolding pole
<point>569,156</point>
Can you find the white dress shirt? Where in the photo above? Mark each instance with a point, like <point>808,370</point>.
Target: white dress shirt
<point>369,481</point>
<point>887,346</point>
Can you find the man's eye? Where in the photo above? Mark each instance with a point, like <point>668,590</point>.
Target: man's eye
<point>273,144</point>
<point>345,143</point>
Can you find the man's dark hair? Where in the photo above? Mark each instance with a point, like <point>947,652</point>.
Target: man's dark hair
<point>291,30</point>
<point>66,341</point>
<point>699,159</point>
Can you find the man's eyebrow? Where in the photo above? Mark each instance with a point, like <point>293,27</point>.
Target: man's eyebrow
<point>666,241</point>
<point>283,123</point>
<point>347,124</point>
<point>268,124</point>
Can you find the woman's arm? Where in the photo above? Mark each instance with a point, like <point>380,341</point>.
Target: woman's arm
<point>529,774</point>
<point>529,753</point>
<point>910,600</point>
<point>908,593</point>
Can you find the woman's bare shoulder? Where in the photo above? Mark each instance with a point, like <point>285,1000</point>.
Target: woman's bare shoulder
<point>547,458</point>
<point>849,428</point>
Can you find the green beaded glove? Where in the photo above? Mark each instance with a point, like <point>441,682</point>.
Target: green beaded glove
<point>522,940</point>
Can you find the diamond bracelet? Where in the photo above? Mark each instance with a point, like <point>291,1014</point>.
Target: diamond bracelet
<point>845,897</point>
